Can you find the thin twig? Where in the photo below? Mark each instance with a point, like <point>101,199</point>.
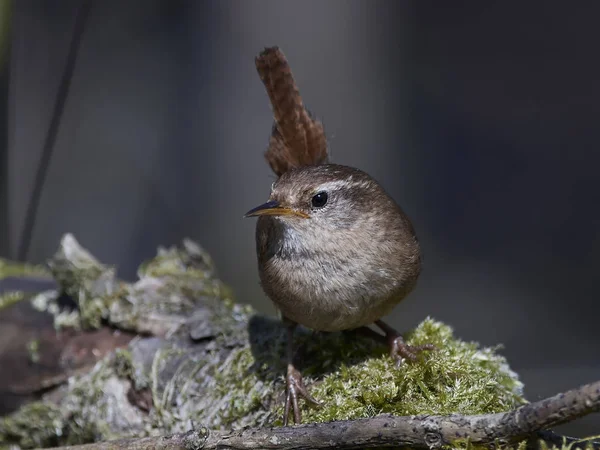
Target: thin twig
<point>384,431</point>
<point>59,106</point>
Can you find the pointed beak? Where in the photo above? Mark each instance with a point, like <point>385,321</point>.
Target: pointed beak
<point>273,208</point>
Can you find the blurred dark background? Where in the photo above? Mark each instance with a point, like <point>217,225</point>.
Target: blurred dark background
<point>480,118</point>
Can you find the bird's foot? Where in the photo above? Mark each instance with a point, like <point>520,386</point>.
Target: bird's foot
<point>295,389</point>
<point>400,350</point>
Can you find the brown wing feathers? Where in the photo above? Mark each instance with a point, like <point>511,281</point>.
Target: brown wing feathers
<point>296,139</point>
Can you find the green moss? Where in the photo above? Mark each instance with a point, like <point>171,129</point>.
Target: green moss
<point>354,377</point>
<point>9,298</point>
<point>123,363</point>
<point>35,425</point>
<point>242,387</point>
<point>576,444</point>
<point>540,444</point>
<point>96,406</point>
<point>188,265</point>
<point>17,269</point>
<point>93,407</point>
<point>231,373</point>
<point>188,268</point>
<point>459,377</point>
<point>170,286</point>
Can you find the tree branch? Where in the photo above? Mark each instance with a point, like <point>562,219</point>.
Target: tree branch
<point>384,431</point>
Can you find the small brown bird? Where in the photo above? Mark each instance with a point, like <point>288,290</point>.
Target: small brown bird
<point>335,252</point>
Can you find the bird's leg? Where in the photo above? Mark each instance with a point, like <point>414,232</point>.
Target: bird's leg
<point>295,384</point>
<point>399,349</point>
<point>369,333</point>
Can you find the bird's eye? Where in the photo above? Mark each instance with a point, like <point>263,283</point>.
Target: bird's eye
<point>319,199</point>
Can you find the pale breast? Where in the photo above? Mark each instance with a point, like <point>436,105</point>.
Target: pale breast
<point>335,285</point>
<point>321,303</point>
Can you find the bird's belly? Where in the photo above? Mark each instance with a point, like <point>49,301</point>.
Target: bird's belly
<point>331,314</point>
<point>330,300</point>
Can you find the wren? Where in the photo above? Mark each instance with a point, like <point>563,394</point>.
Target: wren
<point>335,251</point>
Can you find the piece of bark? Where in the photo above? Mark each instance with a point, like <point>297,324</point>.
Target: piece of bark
<point>35,356</point>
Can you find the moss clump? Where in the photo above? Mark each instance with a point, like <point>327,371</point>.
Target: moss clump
<point>123,363</point>
<point>89,408</point>
<point>354,377</point>
<point>245,391</point>
<point>96,408</point>
<point>16,269</point>
<point>189,264</point>
<point>458,377</point>
<point>170,287</point>
<point>35,425</point>
<point>190,259</point>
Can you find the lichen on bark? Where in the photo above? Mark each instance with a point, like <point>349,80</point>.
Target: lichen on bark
<point>202,360</point>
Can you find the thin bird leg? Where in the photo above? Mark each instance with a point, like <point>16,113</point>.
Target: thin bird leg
<point>399,349</point>
<point>295,384</point>
<point>369,333</point>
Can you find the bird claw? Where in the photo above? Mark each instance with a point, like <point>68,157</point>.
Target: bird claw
<point>295,388</point>
<point>400,350</point>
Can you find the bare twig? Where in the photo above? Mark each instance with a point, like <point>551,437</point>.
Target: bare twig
<point>384,431</point>
<point>62,93</point>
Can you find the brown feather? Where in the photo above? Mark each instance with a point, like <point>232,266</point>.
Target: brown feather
<point>297,139</point>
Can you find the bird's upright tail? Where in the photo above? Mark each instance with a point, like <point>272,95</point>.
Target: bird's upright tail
<point>297,139</point>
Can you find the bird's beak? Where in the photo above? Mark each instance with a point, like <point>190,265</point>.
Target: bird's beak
<point>273,208</point>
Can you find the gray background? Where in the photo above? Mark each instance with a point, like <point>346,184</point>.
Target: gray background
<point>480,118</point>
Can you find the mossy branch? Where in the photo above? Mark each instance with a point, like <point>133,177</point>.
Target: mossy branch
<point>18,269</point>
<point>200,358</point>
<point>383,431</point>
